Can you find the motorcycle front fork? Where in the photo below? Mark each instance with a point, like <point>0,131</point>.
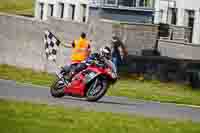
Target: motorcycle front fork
<point>62,78</point>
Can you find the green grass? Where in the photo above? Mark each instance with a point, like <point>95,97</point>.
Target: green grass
<point>18,117</point>
<point>20,7</point>
<point>157,91</point>
<point>128,87</point>
<point>25,75</point>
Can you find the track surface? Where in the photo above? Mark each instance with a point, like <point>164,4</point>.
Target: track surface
<point>21,92</point>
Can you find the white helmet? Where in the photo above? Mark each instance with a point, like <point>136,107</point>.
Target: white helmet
<point>105,52</point>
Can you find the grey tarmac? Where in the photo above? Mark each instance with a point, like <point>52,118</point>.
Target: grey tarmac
<point>24,92</point>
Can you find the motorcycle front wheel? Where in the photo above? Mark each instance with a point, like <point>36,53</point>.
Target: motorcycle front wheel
<point>96,89</point>
<point>57,88</point>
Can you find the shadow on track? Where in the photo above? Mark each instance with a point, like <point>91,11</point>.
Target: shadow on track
<point>103,101</point>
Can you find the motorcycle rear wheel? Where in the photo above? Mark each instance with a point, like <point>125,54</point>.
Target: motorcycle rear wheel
<point>98,82</point>
<point>57,89</point>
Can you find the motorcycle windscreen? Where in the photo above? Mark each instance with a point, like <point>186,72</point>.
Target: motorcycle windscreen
<point>90,76</point>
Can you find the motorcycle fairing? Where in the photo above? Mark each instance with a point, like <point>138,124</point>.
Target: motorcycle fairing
<point>79,82</point>
<point>77,86</point>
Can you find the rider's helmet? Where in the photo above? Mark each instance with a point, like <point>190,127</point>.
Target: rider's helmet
<point>105,52</point>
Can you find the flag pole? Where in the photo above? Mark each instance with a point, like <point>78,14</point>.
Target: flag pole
<point>66,45</point>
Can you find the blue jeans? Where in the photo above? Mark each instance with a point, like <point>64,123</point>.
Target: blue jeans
<point>117,62</point>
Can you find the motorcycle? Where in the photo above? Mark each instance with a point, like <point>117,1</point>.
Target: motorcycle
<point>91,83</point>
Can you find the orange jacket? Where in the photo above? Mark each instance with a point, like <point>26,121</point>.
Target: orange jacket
<point>81,50</point>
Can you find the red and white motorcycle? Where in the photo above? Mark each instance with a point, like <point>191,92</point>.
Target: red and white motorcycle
<point>91,83</point>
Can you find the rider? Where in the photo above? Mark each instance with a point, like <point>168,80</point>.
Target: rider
<point>104,52</point>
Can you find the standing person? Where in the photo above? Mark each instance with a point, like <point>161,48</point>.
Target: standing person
<point>81,49</point>
<point>80,52</point>
<point>116,44</point>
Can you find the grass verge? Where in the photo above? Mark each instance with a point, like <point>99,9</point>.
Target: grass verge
<point>157,91</point>
<point>25,75</point>
<point>128,87</point>
<point>21,117</point>
<point>19,7</point>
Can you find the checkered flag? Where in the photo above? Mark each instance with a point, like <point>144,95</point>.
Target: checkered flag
<point>51,45</point>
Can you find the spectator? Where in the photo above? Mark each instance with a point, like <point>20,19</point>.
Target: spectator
<point>116,44</point>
